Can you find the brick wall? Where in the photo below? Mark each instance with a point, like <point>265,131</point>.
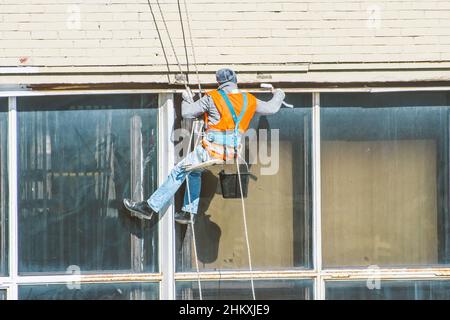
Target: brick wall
<point>120,35</point>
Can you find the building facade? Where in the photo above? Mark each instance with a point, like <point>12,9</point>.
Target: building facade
<point>358,207</point>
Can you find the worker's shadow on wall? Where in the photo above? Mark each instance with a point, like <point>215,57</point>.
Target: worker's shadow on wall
<point>138,227</point>
<point>208,233</point>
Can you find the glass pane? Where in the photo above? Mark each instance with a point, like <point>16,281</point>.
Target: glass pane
<point>79,157</point>
<point>4,186</point>
<point>278,202</point>
<point>94,291</point>
<point>385,290</point>
<point>241,290</point>
<point>385,179</point>
<point>3,295</point>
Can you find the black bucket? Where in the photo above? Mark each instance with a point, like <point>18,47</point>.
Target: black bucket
<point>229,182</point>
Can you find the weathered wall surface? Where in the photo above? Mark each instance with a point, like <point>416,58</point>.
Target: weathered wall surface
<point>312,40</point>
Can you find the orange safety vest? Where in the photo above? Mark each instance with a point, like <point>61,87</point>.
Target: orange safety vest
<point>236,111</point>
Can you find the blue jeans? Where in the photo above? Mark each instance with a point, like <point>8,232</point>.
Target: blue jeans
<point>164,194</point>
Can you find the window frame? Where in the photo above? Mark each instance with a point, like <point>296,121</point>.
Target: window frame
<point>222,282</point>
<point>5,288</point>
<point>94,282</point>
<point>388,120</point>
<point>167,275</point>
<point>4,230</point>
<point>393,277</point>
<point>336,274</point>
<point>14,279</point>
<point>262,272</point>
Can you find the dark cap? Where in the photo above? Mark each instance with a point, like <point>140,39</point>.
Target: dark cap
<point>225,75</point>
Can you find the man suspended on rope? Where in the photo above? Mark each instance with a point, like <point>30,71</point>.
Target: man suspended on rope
<point>228,113</point>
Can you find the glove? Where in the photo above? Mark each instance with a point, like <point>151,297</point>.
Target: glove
<point>279,94</point>
<point>187,96</point>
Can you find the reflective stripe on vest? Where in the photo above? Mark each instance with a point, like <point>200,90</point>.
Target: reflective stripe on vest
<point>226,138</point>
<point>219,151</point>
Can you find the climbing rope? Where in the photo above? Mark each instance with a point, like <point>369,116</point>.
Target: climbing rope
<point>188,20</point>
<point>166,28</point>
<point>170,38</point>
<point>187,88</point>
<point>244,217</point>
<point>160,40</point>
<point>194,240</point>
<point>184,40</point>
<point>186,81</point>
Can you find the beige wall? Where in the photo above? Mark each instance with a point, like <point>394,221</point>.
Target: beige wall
<point>269,210</point>
<point>379,202</point>
<point>273,37</point>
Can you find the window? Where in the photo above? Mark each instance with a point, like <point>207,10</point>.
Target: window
<point>4,186</point>
<point>278,205</point>
<point>389,290</point>
<point>384,201</point>
<point>241,290</point>
<point>92,291</point>
<point>385,179</point>
<point>79,156</point>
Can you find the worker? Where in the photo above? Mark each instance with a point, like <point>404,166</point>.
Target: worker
<point>222,108</point>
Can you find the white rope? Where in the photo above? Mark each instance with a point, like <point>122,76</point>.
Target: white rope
<point>192,223</point>
<point>193,48</point>
<point>169,37</point>
<point>190,145</point>
<point>200,133</point>
<point>160,40</point>
<point>192,132</point>
<point>166,28</point>
<point>188,89</point>
<point>244,216</point>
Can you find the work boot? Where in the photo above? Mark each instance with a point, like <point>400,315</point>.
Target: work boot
<point>184,217</point>
<point>140,209</point>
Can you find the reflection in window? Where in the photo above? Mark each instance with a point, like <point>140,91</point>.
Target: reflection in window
<point>241,290</point>
<point>3,295</point>
<point>3,186</point>
<point>79,157</point>
<point>385,179</point>
<point>388,290</point>
<point>94,291</point>
<point>278,205</point>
